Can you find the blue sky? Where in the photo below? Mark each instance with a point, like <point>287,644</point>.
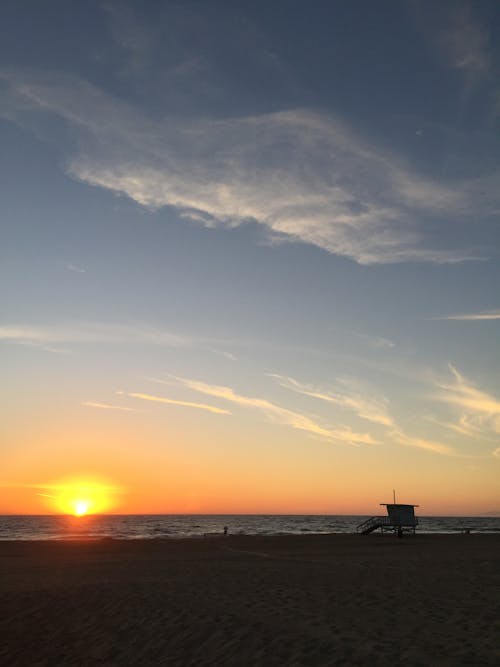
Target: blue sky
<point>278,217</point>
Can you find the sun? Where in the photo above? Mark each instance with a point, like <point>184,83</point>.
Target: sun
<point>81,507</point>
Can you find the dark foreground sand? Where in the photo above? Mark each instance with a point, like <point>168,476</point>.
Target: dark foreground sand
<point>313,600</point>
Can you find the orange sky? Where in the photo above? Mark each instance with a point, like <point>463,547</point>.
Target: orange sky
<point>242,473</point>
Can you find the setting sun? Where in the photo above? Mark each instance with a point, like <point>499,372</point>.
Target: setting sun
<point>80,497</point>
<point>81,507</point>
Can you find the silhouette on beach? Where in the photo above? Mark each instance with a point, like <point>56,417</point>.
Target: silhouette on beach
<point>400,518</point>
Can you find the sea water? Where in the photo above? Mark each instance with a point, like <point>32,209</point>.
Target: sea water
<point>154,526</point>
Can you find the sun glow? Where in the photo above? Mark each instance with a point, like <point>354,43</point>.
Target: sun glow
<point>82,497</point>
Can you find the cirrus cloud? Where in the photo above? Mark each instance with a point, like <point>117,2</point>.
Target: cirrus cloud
<point>279,414</point>
<point>303,176</point>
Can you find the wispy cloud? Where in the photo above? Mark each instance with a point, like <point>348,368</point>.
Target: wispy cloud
<point>464,426</point>
<point>74,268</point>
<point>224,353</point>
<point>39,345</point>
<point>89,332</point>
<point>457,35</point>
<point>279,414</point>
<point>130,35</point>
<point>359,398</point>
<point>485,315</point>
<point>376,342</point>
<point>108,406</point>
<point>371,408</point>
<point>422,443</point>
<point>476,407</point>
<point>185,404</point>
<point>466,42</point>
<point>303,176</point>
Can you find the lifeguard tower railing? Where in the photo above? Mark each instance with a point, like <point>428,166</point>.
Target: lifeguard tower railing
<point>372,524</point>
<point>399,518</point>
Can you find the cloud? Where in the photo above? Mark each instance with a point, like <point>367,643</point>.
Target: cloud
<point>74,268</point>
<point>466,42</point>
<point>496,453</point>
<point>377,342</point>
<point>131,36</point>
<point>280,415</point>
<point>107,406</point>
<point>458,35</point>
<point>302,176</point>
<point>367,406</point>
<point>39,345</point>
<point>422,443</point>
<point>229,355</point>
<point>371,408</point>
<point>185,404</point>
<point>373,342</point>
<point>472,317</point>
<point>464,426</point>
<point>89,332</point>
<point>479,409</point>
<point>224,353</point>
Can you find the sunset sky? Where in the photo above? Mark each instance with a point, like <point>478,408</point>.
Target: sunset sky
<point>250,255</point>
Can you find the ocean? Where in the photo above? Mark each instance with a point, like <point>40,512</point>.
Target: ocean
<point>155,526</point>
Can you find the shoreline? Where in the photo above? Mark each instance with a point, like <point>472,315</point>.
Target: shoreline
<point>271,536</point>
<point>221,536</point>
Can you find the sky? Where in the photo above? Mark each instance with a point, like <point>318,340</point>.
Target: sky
<point>250,255</point>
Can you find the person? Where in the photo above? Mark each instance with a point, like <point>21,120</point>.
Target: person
<point>225,530</point>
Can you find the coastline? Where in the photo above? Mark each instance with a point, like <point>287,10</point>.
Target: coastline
<point>247,600</point>
<point>26,527</point>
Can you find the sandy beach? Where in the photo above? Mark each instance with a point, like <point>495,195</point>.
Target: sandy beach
<point>241,600</point>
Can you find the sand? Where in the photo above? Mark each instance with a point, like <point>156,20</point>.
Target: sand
<point>312,600</point>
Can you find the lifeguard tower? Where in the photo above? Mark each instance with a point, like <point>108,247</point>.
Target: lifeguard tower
<point>399,519</point>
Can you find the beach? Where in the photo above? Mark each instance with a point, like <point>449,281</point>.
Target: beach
<point>249,600</point>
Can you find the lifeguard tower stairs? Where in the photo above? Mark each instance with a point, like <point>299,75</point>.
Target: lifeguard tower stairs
<point>399,519</point>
